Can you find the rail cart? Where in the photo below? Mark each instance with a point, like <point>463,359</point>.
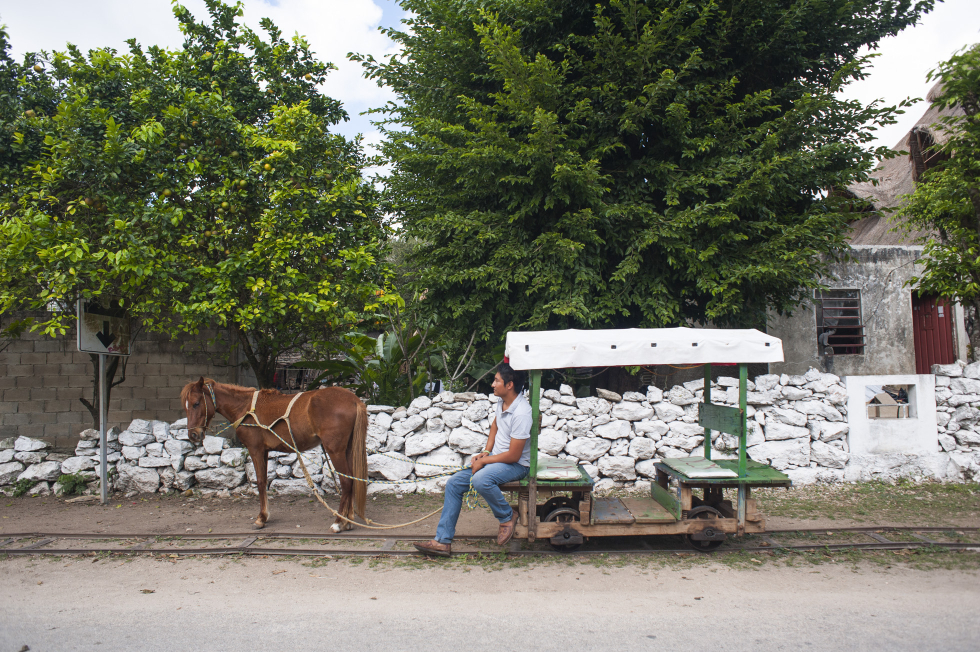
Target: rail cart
<point>687,496</point>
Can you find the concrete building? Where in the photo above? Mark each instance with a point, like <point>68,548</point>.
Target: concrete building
<point>870,322</point>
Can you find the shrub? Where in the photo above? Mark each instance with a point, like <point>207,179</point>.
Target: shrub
<point>21,487</point>
<point>73,484</point>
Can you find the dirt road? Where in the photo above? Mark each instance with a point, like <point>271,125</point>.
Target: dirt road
<point>162,603</point>
<point>160,514</point>
<point>267,604</point>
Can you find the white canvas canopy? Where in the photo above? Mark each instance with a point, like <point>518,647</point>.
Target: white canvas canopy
<point>639,346</point>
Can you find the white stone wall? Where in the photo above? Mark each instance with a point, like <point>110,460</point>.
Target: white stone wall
<point>958,414</point>
<point>798,424</point>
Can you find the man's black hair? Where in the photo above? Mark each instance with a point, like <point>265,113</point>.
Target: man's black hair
<point>510,375</point>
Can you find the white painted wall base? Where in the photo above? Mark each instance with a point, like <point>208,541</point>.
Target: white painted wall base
<point>916,435</point>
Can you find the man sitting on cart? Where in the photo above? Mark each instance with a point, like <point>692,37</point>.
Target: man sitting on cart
<point>506,458</point>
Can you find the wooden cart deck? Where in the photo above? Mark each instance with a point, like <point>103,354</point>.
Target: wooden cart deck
<point>757,475</point>
<point>664,511</point>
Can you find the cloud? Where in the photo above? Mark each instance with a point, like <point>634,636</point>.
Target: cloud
<point>336,27</point>
<point>332,27</point>
<point>900,70</point>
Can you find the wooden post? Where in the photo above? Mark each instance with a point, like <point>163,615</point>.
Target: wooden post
<point>743,381</point>
<point>742,508</point>
<point>707,400</point>
<point>532,482</point>
<point>685,497</point>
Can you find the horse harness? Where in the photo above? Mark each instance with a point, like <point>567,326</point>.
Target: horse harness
<point>251,413</point>
<point>259,424</point>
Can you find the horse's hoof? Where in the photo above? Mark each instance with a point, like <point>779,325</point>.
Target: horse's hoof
<point>258,526</point>
<point>340,527</point>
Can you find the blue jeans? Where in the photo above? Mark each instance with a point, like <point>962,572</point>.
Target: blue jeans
<point>487,483</point>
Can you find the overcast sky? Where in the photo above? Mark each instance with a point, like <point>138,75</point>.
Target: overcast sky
<point>336,27</point>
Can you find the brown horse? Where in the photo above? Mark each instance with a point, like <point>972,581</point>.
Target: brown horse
<point>331,417</point>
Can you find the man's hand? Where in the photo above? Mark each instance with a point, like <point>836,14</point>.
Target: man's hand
<point>477,461</point>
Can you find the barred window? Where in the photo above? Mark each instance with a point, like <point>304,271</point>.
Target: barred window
<point>839,327</point>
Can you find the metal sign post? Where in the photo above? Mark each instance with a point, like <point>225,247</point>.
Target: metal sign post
<point>103,328</point>
<point>103,444</point>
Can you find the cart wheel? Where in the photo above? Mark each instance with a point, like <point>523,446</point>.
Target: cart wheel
<point>563,515</point>
<point>554,503</point>
<point>704,512</point>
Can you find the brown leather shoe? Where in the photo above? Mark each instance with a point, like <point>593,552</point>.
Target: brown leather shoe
<point>434,548</point>
<point>506,531</point>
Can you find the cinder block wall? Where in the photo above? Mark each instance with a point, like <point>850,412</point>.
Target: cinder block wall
<point>41,380</point>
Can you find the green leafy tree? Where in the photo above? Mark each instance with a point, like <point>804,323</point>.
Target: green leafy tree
<point>621,164</point>
<point>25,91</point>
<point>377,368</point>
<point>947,199</point>
<point>201,186</point>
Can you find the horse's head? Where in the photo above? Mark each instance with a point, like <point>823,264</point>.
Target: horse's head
<point>198,400</point>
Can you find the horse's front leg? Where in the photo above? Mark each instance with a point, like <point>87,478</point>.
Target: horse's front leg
<point>260,460</point>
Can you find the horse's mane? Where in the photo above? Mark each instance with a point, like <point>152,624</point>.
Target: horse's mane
<point>185,393</point>
<point>242,388</point>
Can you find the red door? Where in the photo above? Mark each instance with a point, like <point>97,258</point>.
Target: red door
<point>932,330</point>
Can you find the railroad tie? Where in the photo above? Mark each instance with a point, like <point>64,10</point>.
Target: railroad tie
<point>36,544</point>
<point>772,542</point>
<point>143,544</point>
<point>923,538</point>
<point>877,537</point>
<point>247,542</point>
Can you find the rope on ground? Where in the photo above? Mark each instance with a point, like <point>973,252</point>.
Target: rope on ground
<point>369,524</point>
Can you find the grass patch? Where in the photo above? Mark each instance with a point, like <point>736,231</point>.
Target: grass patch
<point>925,559</point>
<point>906,503</point>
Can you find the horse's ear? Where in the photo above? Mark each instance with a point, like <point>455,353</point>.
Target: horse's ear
<point>200,383</point>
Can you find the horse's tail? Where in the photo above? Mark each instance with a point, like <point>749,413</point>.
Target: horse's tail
<point>357,456</point>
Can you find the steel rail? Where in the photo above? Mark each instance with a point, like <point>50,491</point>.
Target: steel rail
<point>415,537</point>
<point>245,546</point>
<point>308,552</point>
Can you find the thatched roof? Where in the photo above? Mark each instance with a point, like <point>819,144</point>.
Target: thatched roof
<point>896,176</point>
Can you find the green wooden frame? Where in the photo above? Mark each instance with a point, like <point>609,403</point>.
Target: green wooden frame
<point>711,417</point>
<point>726,419</point>
<point>535,420</point>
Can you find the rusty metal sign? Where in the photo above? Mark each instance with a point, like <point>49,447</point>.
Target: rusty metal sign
<point>103,327</point>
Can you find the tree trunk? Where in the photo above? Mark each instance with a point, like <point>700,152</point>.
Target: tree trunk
<point>261,360</point>
<point>112,365</point>
<point>973,332</point>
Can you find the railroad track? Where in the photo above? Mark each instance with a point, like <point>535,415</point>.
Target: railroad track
<point>393,545</point>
